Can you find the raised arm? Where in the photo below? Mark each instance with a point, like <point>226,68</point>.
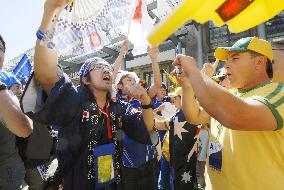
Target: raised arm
<point>45,59</point>
<point>15,120</point>
<point>121,55</point>
<point>231,111</point>
<point>194,114</point>
<point>153,53</point>
<point>209,69</point>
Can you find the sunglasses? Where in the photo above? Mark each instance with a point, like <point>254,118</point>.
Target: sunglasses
<point>99,66</point>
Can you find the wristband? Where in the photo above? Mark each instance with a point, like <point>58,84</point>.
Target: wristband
<point>40,35</point>
<point>148,106</point>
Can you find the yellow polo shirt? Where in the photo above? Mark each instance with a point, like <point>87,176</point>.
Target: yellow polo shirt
<point>249,160</point>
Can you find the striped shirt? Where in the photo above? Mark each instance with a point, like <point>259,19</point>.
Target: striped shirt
<point>249,159</point>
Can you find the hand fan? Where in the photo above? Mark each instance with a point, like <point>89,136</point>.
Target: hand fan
<point>84,26</point>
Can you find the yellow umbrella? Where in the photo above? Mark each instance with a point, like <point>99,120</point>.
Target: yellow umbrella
<point>239,15</point>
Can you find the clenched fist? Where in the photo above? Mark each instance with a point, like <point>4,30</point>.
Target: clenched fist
<point>138,92</point>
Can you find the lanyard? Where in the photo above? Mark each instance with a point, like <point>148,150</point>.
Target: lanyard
<point>108,123</point>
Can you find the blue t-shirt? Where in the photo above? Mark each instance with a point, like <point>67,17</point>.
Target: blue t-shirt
<point>135,154</point>
<point>156,103</point>
<point>64,108</point>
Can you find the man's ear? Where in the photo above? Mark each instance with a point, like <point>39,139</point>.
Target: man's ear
<point>85,81</point>
<point>261,62</point>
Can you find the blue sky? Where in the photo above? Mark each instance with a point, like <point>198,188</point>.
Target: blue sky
<point>19,20</point>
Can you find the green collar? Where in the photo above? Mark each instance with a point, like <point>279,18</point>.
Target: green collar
<point>244,91</point>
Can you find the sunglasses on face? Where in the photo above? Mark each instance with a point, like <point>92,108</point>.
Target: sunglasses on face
<point>99,66</point>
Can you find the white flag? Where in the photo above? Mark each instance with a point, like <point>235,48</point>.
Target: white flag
<point>140,26</point>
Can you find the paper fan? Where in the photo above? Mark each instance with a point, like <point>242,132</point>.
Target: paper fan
<point>87,25</point>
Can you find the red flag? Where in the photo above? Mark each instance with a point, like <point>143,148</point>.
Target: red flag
<point>138,12</point>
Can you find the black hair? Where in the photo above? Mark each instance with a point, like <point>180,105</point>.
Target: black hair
<point>3,43</point>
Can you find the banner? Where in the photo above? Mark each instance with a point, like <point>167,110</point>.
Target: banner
<point>85,26</point>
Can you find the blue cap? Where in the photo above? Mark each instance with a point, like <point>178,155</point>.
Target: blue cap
<point>86,66</point>
<point>9,79</point>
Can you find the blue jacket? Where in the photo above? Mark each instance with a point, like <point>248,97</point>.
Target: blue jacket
<point>64,108</point>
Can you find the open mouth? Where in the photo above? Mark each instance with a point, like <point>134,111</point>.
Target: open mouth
<point>106,78</point>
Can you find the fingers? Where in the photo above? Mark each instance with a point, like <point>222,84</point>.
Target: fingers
<point>176,61</point>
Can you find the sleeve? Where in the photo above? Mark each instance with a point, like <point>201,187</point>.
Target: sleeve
<point>133,124</point>
<point>60,106</point>
<point>275,105</point>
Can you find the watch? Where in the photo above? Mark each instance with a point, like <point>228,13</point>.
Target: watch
<point>148,106</point>
<point>2,86</point>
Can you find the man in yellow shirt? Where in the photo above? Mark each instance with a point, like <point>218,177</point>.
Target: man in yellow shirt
<point>246,146</point>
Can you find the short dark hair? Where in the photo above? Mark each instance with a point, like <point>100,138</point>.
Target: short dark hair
<point>269,69</point>
<point>3,42</point>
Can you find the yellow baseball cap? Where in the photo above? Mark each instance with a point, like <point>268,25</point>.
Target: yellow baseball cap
<point>176,93</point>
<point>255,44</point>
